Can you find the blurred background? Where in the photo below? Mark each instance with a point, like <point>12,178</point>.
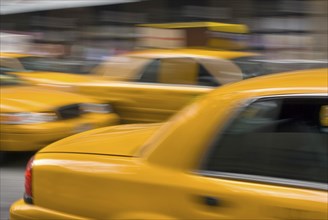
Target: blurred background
<point>93,30</point>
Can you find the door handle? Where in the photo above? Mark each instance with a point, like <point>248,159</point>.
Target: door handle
<point>211,201</point>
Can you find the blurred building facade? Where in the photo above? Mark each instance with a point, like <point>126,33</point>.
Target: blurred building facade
<point>279,28</point>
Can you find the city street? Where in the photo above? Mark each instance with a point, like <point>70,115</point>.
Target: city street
<point>12,181</point>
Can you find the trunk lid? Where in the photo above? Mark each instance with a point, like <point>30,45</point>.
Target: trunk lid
<point>122,140</point>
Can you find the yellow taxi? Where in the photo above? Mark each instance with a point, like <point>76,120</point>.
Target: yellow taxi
<point>152,85</point>
<point>256,149</point>
<point>32,117</point>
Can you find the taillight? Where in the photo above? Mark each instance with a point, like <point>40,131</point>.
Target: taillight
<point>28,196</point>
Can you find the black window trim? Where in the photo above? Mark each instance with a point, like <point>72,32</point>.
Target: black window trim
<point>257,178</point>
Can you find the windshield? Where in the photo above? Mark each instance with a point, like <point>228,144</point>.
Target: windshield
<point>46,64</point>
<point>11,64</point>
<point>276,66</point>
<point>256,66</point>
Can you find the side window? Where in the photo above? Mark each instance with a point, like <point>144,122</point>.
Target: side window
<point>179,71</point>
<point>121,67</point>
<point>205,78</point>
<point>185,71</point>
<point>151,72</point>
<point>282,138</point>
<point>11,64</point>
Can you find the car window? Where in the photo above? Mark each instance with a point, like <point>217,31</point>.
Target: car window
<point>224,71</point>
<point>178,71</point>
<point>56,65</point>
<point>251,66</point>
<point>185,71</point>
<point>256,65</point>
<point>122,67</point>
<point>151,72</point>
<point>205,78</point>
<point>11,63</point>
<point>35,63</point>
<point>275,138</point>
<point>171,71</point>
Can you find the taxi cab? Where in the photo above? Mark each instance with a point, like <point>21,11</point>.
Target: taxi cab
<point>32,117</point>
<point>256,149</point>
<point>151,85</point>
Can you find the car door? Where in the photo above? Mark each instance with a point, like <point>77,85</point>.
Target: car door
<point>167,85</point>
<point>269,162</point>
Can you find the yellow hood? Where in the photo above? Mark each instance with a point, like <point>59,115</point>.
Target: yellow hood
<point>36,99</point>
<point>123,140</point>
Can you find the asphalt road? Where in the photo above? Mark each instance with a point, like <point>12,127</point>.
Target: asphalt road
<point>12,181</point>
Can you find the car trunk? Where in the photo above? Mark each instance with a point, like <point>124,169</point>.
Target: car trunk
<point>78,174</point>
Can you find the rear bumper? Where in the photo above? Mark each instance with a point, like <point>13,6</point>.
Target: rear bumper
<point>20,210</point>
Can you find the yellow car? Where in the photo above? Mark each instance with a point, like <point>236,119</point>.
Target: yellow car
<point>151,85</point>
<point>32,117</point>
<point>255,149</point>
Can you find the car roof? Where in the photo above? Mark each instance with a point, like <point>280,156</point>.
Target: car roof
<point>227,27</point>
<point>295,82</point>
<point>190,52</point>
